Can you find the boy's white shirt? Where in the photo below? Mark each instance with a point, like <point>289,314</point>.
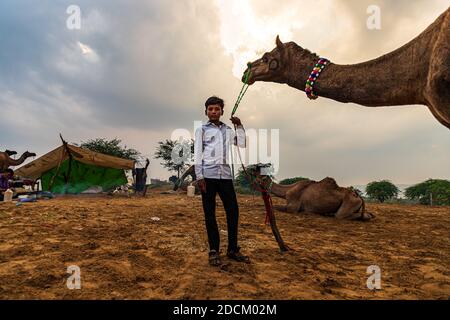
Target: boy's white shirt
<point>212,149</point>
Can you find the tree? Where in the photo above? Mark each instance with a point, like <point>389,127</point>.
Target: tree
<point>381,190</point>
<point>175,155</point>
<point>292,180</point>
<point>242,184</point>
<point>110,147</point>
<point>241,180</point>
<point>432,191</point>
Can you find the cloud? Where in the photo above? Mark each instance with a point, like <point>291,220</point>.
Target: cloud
<point>139,71</point>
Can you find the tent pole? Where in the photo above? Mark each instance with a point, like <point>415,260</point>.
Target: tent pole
<point>57,171</point>
<point>67,177</point>
<point>68,173</point>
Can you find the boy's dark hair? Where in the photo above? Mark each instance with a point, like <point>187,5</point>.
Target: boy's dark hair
<point>214,100</point>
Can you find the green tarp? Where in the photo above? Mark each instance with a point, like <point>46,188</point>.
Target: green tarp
<point>82,177</point>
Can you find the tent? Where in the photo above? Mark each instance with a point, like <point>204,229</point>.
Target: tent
<point>71,169</point>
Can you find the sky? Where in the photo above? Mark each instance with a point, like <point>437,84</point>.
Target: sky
<point>139,70</point>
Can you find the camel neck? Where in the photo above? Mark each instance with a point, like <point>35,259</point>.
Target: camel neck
<point>396,78</point>
<point>280,190</point>
<point>14,162</point>
<point>372,84</point>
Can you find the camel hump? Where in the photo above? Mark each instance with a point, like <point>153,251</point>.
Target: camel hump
<point>329,181</point>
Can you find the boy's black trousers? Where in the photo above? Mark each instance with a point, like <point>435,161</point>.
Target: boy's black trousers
<point>225,189</point>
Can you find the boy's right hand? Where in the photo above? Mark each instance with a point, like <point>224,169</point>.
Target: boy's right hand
<point>202,185</point>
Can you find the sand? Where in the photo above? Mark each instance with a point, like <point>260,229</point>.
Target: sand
<point>124,252</point>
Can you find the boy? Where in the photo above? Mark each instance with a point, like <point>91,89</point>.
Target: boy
<point>212,146</point>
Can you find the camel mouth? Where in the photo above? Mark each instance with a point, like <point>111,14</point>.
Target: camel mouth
<point>252,78</point>
<point>249,80</point>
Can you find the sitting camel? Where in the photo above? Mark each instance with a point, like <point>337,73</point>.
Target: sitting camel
<point>416,73</point>
<point>6,161</point>
<point>323,197</point>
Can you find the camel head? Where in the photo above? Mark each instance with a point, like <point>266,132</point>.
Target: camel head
<point>27,154</point>
<point>261,173</point>
<point>277,65</point>
<point>272,66</point>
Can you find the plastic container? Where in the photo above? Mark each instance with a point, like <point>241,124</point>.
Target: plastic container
<point>190,191</point>
<point>8,196</point>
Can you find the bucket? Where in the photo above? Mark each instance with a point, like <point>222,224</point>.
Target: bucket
<point>191,191</point>
<point>8,195</point>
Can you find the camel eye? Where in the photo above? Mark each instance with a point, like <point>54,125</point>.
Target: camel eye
<point>264,59</point>
<point>273,64</point>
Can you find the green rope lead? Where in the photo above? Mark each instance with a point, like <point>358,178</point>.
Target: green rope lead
<point>243,89</point>
<point>239,98</point>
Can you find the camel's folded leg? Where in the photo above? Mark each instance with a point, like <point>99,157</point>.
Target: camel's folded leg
<point>349,209</point>
<point>366,216</point>
<point>293,206</point>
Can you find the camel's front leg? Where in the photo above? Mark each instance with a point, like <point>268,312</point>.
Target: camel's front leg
<point>349,208</point>
<point>437,105</point>
<point>293,206</point>
<point>437,91</point>
<point>293,201</point>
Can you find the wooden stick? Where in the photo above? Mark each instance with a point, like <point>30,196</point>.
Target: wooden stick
<point>273,222</point>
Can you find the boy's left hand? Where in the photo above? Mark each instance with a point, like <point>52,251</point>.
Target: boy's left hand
<point>236,121</point>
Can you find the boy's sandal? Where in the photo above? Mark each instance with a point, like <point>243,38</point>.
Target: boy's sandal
<point>237,256</point>
<point>214,258</point>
